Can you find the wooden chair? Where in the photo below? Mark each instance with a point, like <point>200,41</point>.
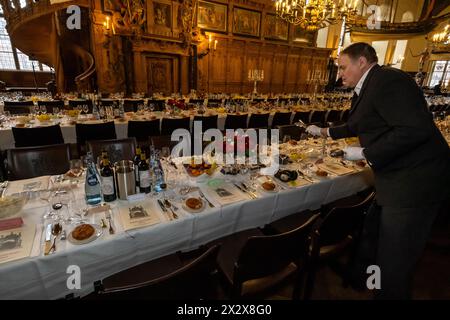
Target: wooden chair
<point>291,130</point>
<point>281,119</point>
<point>39,136</point>
<point>30,162</point>
<point>191,275</point>
<point>336,234</point>
<point>318,116</point>
<point>234,121</point>
<point>259,120</point>
<point>169,125</point>
<point>208,122</point>
<point>252,262</point>
<point>18,107</point>
<point>96,131</point>
<point>117,149</point>
<point>131,105</point>
<point>303,116</point>
<point>141,130</point>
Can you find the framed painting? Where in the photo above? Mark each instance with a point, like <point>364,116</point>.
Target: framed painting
<point>246,22</point>
<point>212,16</point>
<point>162,14</point>
<point>302,36</point>
<point>275,28</point>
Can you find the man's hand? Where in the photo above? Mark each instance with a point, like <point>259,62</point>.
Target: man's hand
<point>354,153</point>
<point>314,130</point>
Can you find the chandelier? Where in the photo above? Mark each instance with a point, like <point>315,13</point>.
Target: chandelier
<point>441,38</point>
<point>312,15</point>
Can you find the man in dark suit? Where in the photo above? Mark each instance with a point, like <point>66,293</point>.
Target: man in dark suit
<point>408,155</point>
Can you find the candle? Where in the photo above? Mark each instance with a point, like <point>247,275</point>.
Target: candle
<point>262,75</point>
<point>215,45</point>
<point>107,22</point>
<point>249,74</point>
<point>209,42</point>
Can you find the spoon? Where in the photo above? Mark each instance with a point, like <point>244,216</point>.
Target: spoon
<point>56,230</point>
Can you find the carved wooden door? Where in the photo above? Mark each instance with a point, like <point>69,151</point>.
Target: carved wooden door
<point>160,75</point>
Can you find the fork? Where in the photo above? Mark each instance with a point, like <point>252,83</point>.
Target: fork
<point>108,217</point>
<point>203,196</point>
<point>168,205</point>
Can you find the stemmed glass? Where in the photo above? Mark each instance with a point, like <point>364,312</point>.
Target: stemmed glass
<point>43,109</point>
<point>152,107</point>
<point>85,108</point>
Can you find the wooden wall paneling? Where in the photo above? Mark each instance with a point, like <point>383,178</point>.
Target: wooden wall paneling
<point>267,66</point>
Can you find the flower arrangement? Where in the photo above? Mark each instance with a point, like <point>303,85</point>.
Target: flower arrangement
<point>180,104</point>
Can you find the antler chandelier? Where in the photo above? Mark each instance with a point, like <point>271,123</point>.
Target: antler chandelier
<point>312,15</point>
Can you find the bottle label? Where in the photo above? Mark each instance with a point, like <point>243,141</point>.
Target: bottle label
<point>92,179</point>
<point>144,179</point>
<point>108,185</point>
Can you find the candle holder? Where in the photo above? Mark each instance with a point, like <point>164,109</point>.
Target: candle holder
<point>255,75</point>
<point>211,47</point>
<point>317,77</point>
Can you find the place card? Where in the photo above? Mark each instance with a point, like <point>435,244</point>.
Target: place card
<point>138,215</point>
<point>334,168</point>
<point>16,243</point>
<point>27,185</point>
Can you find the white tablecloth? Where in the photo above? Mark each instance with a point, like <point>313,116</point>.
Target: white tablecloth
<point>44,277</point>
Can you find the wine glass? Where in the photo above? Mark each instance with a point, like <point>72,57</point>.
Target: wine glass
<point>152,107</point>
<point>85,108</point>
<point>43,109</point>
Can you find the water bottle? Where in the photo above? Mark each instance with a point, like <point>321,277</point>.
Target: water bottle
<point>92,186</point>
<point>158,177</point>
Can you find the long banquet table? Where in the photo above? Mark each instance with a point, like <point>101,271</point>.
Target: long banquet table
<point>69,133</point>
<point>44,277</point>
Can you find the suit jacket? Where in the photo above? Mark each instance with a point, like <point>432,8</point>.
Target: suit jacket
<point>408,154</point>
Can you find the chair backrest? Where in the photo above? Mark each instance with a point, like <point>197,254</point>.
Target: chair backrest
<point>342,222</point>
<point>208,122</point>
<point>94,131</point>
<point>141,130</point>
<point>131,105</point>
<point>258,120</point>
<point>169,125</point>
<point>108,102</point>
<point>333,116</point>
<point>195,101</point>
<point>302,115</point>
<point>265,255</point>
<point>118,149</point>
<point>18,107</point>
<point>291,130</point>
<point>281,119</point>
<point>318,116</point>
<point>345,114</point>
<point>192,280</point>
<point>39,136</point>
<point>234,121</point>
<point>30,162</point>
<point>159,105</point>
<point>50,105</point>
<point>214,103</point>
<point>159,142</point>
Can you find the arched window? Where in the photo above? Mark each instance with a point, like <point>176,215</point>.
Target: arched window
<point>408,17</point>
<point>12,58</point>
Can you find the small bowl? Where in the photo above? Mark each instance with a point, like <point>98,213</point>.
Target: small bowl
<point>11,205</point>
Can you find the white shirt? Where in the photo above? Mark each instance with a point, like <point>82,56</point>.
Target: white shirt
<point>361,81</point>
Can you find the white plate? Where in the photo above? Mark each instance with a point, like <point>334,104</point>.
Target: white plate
<point>97,234</point>
<point>185,207</point>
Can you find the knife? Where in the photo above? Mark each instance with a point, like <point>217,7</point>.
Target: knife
<point>48,239</point>
<point>250,191</point>
<point>243,190</point>
<point>161,205</point>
